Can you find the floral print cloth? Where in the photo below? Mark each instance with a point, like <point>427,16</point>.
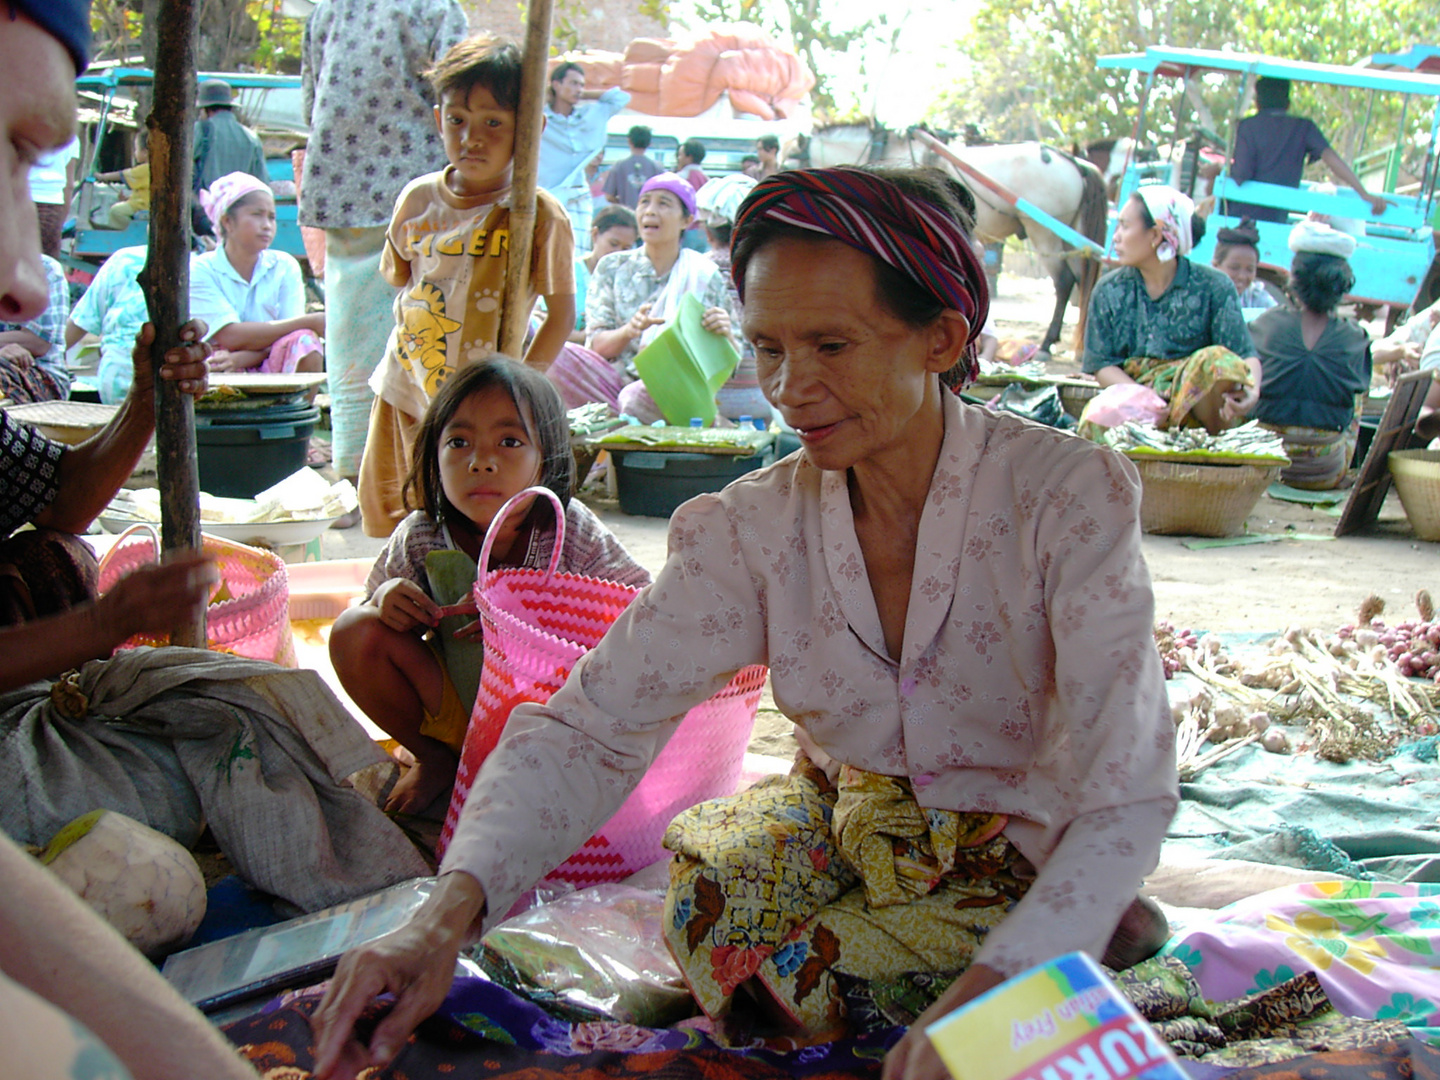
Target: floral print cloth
<point>1375,947</point>
<point>369,105</point>
<point>1185,381</point>
<point>1028,682</point>
<point>775,884</point>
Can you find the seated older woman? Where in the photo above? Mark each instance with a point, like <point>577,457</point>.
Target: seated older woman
<point>634,295</point>
<point>1168,323</point>
<point>1317,365</point>
<point>956,615</point>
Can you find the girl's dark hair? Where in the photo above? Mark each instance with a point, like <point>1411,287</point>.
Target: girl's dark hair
<point>898,293</point>
<point>540,407</point>
<point>1320,282</point>
<point>1227,240</point>
<point>612,216</point>
<point>1197,223</point>
<point>720,233</point>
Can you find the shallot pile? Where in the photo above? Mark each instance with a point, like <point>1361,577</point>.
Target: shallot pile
<point>1413,645</point>
<point>1170,642</point>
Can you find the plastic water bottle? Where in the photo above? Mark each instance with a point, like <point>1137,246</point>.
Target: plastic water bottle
<point>745,421</point>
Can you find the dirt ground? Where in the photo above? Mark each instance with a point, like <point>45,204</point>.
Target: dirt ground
<point>1304,577</point>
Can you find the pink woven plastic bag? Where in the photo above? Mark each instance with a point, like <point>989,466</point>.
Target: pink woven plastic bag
<point>249,613</point>
<point>536,624</point>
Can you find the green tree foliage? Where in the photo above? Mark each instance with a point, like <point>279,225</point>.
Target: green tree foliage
<point>1033,65</point>
<point>234,35</point>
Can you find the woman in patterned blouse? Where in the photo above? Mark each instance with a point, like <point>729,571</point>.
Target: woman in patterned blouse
<point>1169,323</point>
<point>956,615</point>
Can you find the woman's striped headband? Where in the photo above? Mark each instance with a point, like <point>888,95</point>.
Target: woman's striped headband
<point>875,216</point>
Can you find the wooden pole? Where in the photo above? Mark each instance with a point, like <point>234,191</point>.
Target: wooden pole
<point>528,121</point>
<point>166,283</point>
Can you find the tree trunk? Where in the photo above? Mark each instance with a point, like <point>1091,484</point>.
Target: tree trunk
<point>166,283</point>
<point>528,119</point>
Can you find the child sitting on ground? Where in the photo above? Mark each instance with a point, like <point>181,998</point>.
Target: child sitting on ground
<point>446,251</point>
<point>495,428</point>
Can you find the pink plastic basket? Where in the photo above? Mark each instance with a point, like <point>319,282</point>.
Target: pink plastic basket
<point>701,761</point>
<point>254,618</point>
<point>536,625</point>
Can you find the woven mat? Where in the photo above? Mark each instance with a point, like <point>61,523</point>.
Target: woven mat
<point>79,414</point>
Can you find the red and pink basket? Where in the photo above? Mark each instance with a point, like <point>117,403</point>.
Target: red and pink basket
<point>536,625</point>
<point>248,614</point>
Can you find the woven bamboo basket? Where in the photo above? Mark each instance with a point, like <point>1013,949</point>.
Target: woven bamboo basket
<point>1075,398</point>
<point>1179,498</point>
<point>1417,481</point>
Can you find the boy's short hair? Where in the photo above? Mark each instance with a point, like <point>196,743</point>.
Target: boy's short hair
<point>481,60</point>
<point>768,141</point>
<point>1272,93</point>
<point>694,150</point>
<point>639,137</point>
<point>750,159</point>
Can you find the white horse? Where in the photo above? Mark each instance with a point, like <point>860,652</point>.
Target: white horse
<point>1068,188</point>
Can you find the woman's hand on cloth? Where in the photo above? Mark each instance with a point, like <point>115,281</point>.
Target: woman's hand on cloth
<point>415,963</point>
<point>404,606</point>
<point>1238,401</point>
<point>914,1057</point>
<point>185,364</point>
<point>717,321</point>
<point>17,355</point>
<point>154,599</point>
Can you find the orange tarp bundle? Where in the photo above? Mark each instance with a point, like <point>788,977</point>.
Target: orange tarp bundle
<point>684,78</point>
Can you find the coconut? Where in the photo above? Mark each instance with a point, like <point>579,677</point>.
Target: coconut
<point>138,880</point>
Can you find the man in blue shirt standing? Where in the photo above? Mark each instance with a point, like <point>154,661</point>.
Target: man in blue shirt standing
<point>574,133</point>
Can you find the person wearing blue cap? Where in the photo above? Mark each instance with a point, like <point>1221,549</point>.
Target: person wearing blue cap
<point>74,997</point>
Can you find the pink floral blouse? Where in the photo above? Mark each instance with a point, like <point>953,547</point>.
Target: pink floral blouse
<point>1028,684</point>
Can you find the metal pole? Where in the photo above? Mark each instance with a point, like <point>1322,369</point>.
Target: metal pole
<point>528,121</point>
<point>166,283</point>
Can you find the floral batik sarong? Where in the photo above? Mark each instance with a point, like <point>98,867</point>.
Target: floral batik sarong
<point>795,881</point>
<point>1319,458</point>
<point>1184,381</point>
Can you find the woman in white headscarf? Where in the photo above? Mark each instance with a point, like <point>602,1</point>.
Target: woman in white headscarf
<point>1169,323</point>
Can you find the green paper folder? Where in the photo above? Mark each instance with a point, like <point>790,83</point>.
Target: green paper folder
<point>685,365</point>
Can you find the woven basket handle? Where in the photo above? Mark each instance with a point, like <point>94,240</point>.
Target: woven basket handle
<point>482,568</point>
<point>143,526</point>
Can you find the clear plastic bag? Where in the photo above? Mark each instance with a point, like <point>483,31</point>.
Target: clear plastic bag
<point>593,954</point>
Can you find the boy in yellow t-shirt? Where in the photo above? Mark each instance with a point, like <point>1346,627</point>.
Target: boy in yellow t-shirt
<point>136,178</point>
<point>446,250</point>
